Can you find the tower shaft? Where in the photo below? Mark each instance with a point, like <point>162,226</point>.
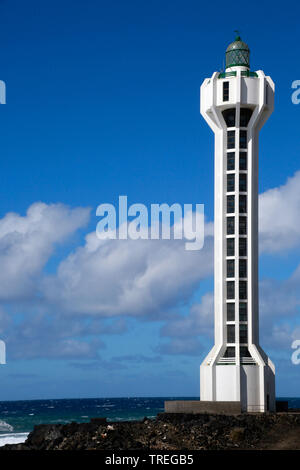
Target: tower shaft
<point>236,104</point>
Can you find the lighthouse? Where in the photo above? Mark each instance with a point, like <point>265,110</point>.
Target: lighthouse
<point>236,104</point>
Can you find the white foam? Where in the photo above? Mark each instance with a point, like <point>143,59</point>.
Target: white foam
<point>13,438</point>
<point>5,426</point>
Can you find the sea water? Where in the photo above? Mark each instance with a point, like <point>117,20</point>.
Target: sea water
<point>17,418</point>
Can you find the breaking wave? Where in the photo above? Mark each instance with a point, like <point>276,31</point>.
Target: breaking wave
<point>13,438</point>
<point>5,427</point>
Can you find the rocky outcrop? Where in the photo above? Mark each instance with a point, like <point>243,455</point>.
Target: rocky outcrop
<point>170,431</point>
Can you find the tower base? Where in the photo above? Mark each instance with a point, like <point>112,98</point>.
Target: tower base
<point>253,386</point>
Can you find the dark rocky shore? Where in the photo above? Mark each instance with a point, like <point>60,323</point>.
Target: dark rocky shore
<point>170,432</point>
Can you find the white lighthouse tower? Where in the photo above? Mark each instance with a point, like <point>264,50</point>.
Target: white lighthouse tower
<point>236,104</point>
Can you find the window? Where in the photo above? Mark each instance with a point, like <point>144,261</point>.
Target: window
<point>242,204</point>
<point>230,225</point>
<point>230,161</point>
<point>243,334</point>
<point>230,334</point>
<point>243,290</point>
<point>230,351</point>
<point>230,139</point>
<point>243,160</point>
<point>230,268</point>
<point>243,182</point>
<point>243,268</point>
<point>243,225</point>
<point>230,311</point>
<point>229,117</point>
<point>230,289</point>
<point>230,183</point>
<point>243,247</point>
<point>243,139</point>
<point>230,204</point>
<point>245,115</point>
<point>225,91</point>
<point>243,311</point>
<point>230,246</point>
<point>244,352</point>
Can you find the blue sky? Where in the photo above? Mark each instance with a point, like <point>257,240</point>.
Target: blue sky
<point>103,100</point>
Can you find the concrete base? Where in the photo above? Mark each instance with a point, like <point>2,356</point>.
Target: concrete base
<point>193,406</point>
<point>251,384</point>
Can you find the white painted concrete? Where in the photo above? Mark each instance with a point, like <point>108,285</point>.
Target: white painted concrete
<point>250,379</point>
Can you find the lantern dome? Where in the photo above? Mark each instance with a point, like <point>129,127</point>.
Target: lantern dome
<point>238,54</point>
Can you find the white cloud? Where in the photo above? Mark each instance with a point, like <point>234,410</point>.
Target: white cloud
<point>42,335</point>
<point>148,277</point>
<point>27,242</point>
<point>198,322</point>
<point>279,319</point>
<point>279,216</point>
<point>112,277</point>
<point>131,277</point>
<point>142,278</point>
<point>190,347</point>
<point>281,336</point>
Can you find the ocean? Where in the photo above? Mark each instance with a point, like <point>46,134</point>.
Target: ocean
<point>17,418</point>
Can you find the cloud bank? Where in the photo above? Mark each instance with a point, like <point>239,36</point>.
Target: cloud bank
<point>101,283</point>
